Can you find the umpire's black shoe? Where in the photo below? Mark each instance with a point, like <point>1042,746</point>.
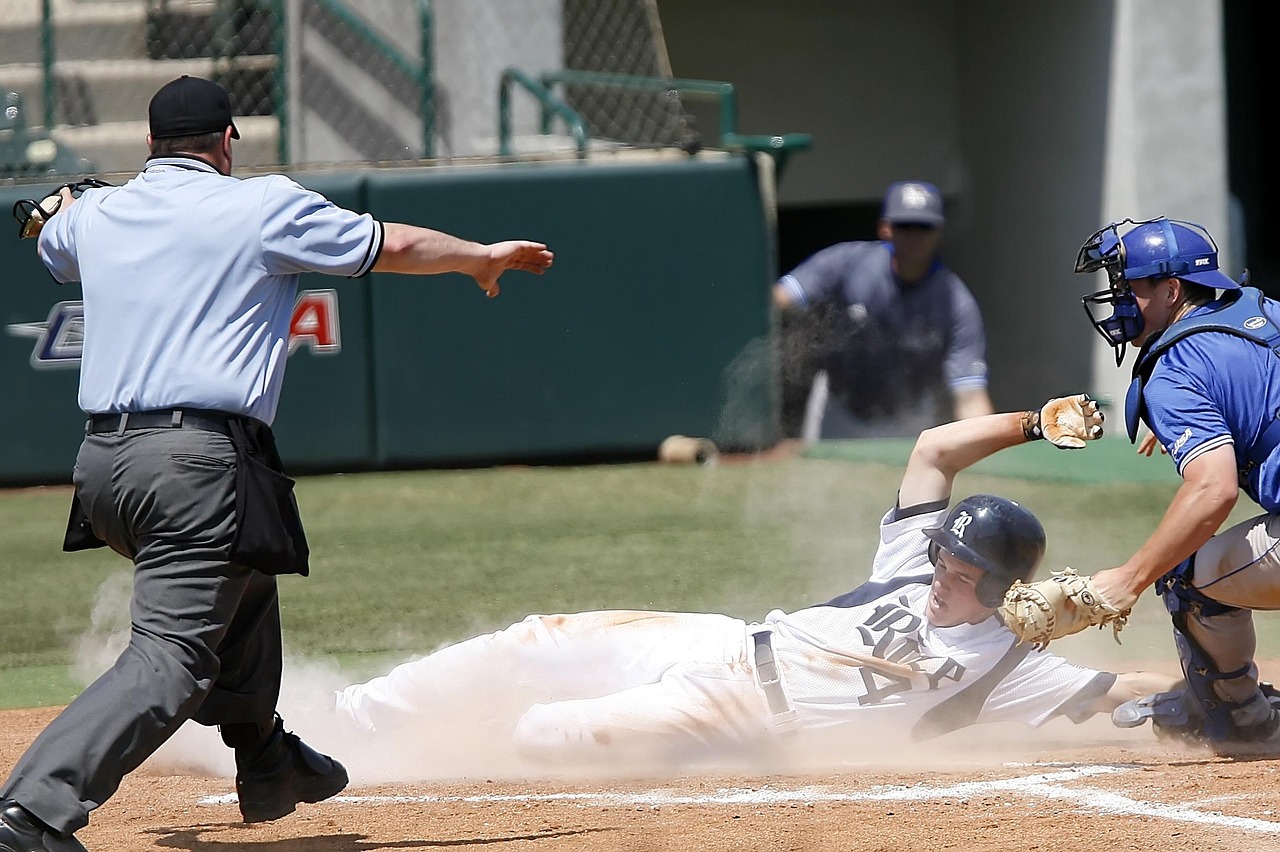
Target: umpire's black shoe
<point>287,772</point>
<point>21,831</point>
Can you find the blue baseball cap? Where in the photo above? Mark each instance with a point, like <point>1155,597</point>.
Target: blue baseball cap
<point>913,201</point>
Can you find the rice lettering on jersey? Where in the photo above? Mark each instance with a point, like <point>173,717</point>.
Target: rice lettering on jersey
<point>892,634</point>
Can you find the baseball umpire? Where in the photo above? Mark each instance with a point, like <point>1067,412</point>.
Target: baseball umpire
<point>189,278</point>
<point>904,345</point>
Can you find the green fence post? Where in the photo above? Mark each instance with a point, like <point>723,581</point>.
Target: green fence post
<point>47,60</point>
<point>573,121</point>
<point>426,82</point>
<point>280,80</point>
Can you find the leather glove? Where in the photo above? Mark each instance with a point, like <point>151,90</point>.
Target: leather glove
<point>1064,604</point>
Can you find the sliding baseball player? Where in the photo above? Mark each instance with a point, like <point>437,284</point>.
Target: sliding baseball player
<point>916,650</point>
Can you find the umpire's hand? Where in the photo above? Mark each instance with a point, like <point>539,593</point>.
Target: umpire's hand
<point>512,254</point>
<point>412,250</point>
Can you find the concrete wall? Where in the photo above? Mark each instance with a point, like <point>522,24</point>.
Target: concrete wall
<point>1166,130</point>
<point>875,83</point>
<point>1041,122</point>
<point>347,104</point>
<point>1034,80</point>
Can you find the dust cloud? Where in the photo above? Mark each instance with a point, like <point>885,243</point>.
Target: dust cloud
<point>468,733</point>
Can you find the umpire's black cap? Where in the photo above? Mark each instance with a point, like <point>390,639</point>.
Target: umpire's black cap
<point>189,106</point>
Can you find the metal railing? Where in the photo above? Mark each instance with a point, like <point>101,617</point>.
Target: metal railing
<point>549,104</point>
<point>780,147</point>
<point>226,48</point>
<point>419,73</point>
<point>262,47</point>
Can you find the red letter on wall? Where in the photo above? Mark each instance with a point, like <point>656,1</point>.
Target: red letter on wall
<point>315,322</point>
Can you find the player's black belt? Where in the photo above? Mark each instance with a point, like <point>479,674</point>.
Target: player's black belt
<point>767,673</point>
<point>169,418</point>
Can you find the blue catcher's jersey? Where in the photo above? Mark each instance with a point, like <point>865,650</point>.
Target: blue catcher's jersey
<point>1214,388</point>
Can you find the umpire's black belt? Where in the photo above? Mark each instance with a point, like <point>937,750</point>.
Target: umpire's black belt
<point>169,418</point>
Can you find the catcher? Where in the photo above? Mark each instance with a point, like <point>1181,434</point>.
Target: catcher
<point>1206,382</point>
<point>916,650</point>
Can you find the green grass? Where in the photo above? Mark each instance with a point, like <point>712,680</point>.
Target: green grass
<point>403,562</point>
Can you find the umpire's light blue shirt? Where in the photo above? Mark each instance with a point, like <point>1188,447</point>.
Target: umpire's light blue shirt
<point>189,280</point>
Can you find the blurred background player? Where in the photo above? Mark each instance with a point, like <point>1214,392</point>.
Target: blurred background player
<point>916,651</point>
<point>900,343</point>
<point>1207,385</point>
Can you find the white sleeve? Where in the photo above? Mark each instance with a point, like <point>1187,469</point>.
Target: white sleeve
<point>302,231</point>
<point>1039,687</point>
<point>56,245</point>
<point>904,549</point>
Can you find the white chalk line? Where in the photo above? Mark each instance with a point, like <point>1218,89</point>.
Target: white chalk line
<point>1048,785</point>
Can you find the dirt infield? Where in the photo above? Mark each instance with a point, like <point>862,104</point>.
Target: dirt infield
<point>1075,788</point>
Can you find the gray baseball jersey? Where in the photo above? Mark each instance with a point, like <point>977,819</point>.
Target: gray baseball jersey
<point>894,348</point>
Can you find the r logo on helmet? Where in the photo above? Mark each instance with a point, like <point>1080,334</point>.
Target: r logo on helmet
<point>960,523</point>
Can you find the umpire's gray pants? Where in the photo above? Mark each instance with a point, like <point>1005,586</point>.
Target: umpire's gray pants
<point>205,639</point>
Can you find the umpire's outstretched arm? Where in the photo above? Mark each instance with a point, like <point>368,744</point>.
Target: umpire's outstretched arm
<point>412,250</point>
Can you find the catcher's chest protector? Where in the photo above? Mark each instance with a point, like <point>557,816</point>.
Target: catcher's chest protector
<point>1241,314</point>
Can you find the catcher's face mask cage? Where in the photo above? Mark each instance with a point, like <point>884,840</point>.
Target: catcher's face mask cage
<point>1106,251</point>
<point>997,535</point>
<point>28,211</point>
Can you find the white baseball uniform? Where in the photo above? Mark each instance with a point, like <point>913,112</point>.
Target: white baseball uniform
<point>597,684</point>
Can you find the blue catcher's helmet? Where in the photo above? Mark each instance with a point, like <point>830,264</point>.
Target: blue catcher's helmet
<point>997,535</point>
<point>1165,248</point>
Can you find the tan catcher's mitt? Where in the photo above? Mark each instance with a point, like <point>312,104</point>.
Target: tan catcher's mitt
<point>1064,604</point>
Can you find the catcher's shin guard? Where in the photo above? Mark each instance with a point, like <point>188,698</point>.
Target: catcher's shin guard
<point>1177,715</point>
<point>1200,711</point>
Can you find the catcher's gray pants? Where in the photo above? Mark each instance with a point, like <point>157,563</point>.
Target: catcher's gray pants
<point>1239,567</point>
<point>205,637</point>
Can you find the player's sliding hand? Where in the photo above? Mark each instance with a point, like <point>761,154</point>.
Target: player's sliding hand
<point>1066,422</point>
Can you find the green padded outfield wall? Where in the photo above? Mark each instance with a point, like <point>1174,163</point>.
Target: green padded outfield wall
<point>653,321</point>
<point>40,423</point>
<point>326,392</point>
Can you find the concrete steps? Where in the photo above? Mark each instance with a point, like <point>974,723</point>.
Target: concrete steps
<point>99,30</point>
<point>93,91</point>
<point>120,147</point>
<point>111,57</point>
